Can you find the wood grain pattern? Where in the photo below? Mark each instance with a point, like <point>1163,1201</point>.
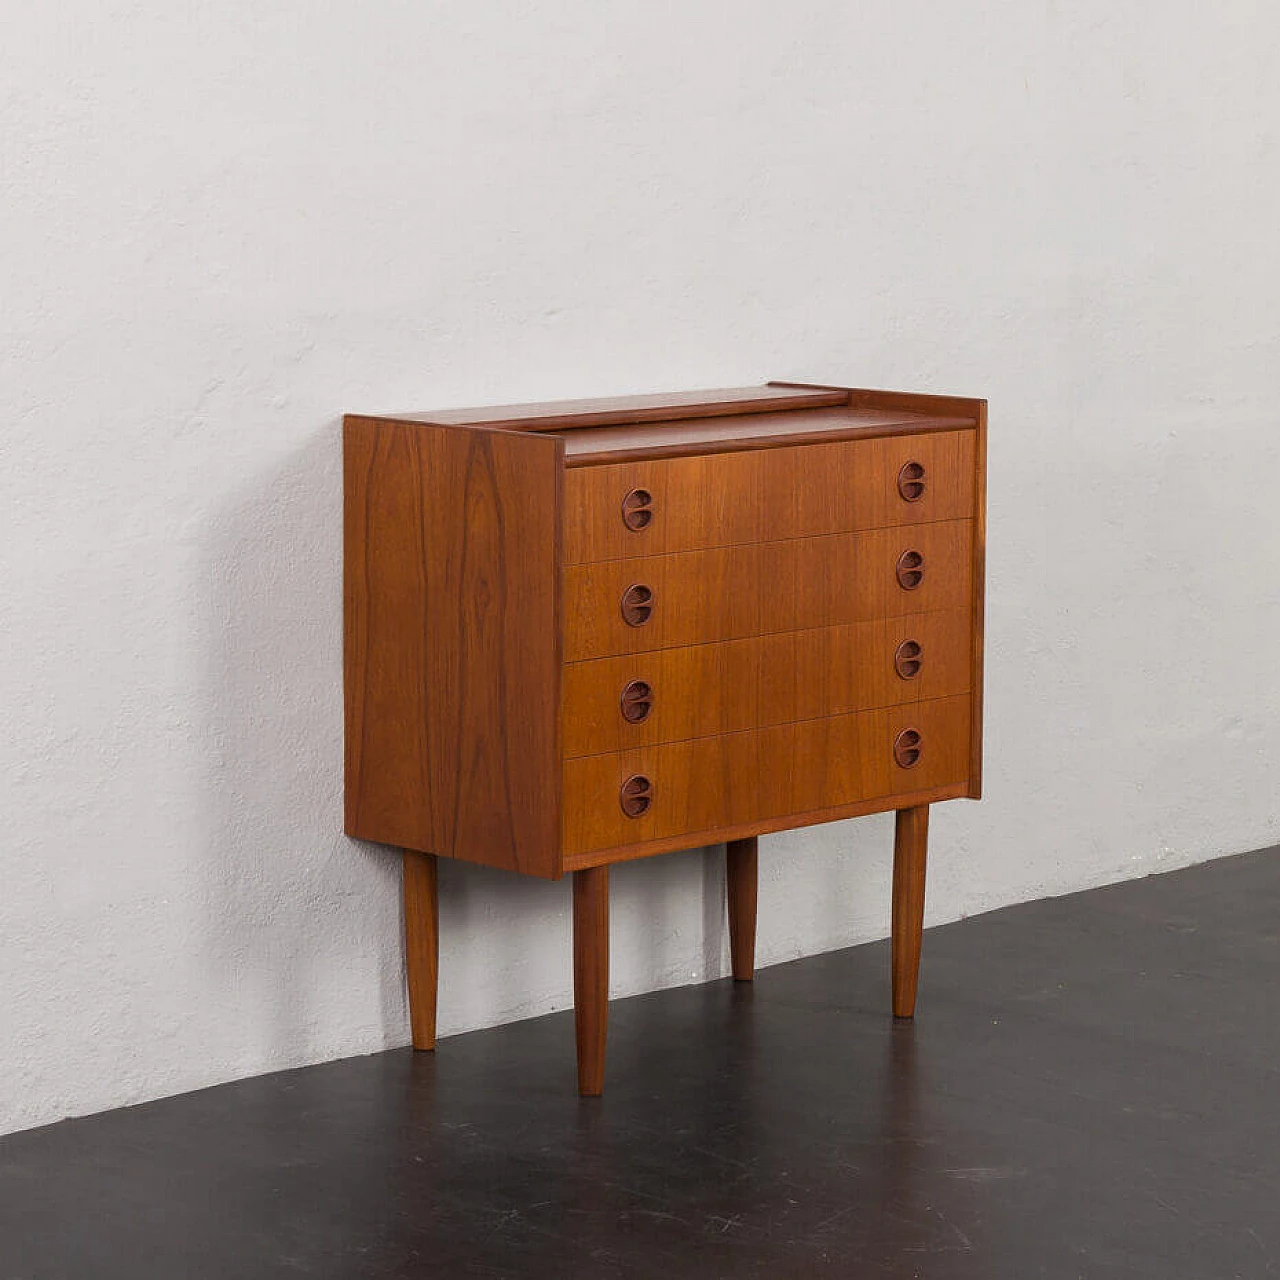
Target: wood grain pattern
<point>818,764</point>
<point>585,449</point>
<point>711,784</point>
<point>741,876</point>
<point>701,690</point>
<point>452,641</point>
<point>853,484</point>
<point>834,670</point>
<point>765,495</point>
<point>591,447</point>
<point>729,593</point>
<point>697,502</point>
<point>699,785</point>
<point>761,827</point>
<point>698,691</point>
<point>978,601</point>
<point>910,845</point>
<point>421,945</point>
<point>591,975</point>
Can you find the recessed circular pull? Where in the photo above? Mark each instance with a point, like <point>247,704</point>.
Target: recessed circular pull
<point>637,509</point>
<point>637,604</point>
<point>908,658</point>
<point>636,795</point>
<point>910,570</point>
<point>908,747</point>
<point>911,481</point>
<point>636,701</point>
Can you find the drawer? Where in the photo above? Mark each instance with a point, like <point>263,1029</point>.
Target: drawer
<point>869,484</point>
<point>793,770</point>
<point>665,505</point>
<point>822,764</point>
<point>727,593</point>
<point>620,703</point>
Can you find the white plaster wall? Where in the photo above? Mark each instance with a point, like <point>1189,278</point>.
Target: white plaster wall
<point>223,225</point>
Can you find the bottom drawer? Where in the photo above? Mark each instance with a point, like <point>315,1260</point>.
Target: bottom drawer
<point>706,784</point>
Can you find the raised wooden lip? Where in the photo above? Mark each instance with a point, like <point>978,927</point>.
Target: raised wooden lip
<point>912,413</point>
<point>622,411</point>
<point>908,423</point>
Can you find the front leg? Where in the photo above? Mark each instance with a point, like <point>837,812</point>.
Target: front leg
<point>911,839</point>
<point>591,975</point>
<point>421,944</point>
<point>740,875</point>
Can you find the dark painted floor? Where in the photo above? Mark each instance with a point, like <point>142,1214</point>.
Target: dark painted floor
<point>1092,1090</point>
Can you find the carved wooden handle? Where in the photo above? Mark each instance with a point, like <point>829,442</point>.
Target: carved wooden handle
<point>637,509</point>
<point>637,604</point>
<point>908,747</point>
<point>636,701</point>
<point>636,795</point>
<point>910,570</point>
<point>908,658</point>
<point>911,481</point>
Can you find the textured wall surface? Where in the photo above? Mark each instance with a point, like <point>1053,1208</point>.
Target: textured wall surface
<point>224,225</point>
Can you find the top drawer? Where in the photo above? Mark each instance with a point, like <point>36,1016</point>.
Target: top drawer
<point>681,504</point>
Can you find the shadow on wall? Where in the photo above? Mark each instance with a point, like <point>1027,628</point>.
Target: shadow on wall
<point>297,917</point>
<point>656,903</point>
<point>507,940</point>
<point>301,955</point>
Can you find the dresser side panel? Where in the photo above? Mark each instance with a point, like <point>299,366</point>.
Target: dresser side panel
<point>453,641</point>
<point>978,589</point>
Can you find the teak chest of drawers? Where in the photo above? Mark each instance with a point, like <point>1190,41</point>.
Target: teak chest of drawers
<point>591,631</point>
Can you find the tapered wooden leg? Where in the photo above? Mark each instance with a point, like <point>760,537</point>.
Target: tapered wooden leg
<point>911,839</point>
<point>421,945</point>
<point>591,975</point>
<point>740,875</point>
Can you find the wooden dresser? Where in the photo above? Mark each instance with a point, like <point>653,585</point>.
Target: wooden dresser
<point>596,630</point>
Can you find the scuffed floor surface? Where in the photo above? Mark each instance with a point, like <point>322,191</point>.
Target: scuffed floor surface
<point>1092,1090</point>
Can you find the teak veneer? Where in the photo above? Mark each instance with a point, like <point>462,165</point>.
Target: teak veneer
<point>598,630</point>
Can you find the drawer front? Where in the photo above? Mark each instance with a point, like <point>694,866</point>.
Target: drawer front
<point>666,505</point>
<point>821,764</point>
<point>702,786</point>
<point>728,593</point>
<point>869,484</point>
<point>620,703</point>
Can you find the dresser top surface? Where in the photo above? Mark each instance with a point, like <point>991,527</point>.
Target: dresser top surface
<point>619,410</point>
<point>632,427</point>
<point>754,430</point>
